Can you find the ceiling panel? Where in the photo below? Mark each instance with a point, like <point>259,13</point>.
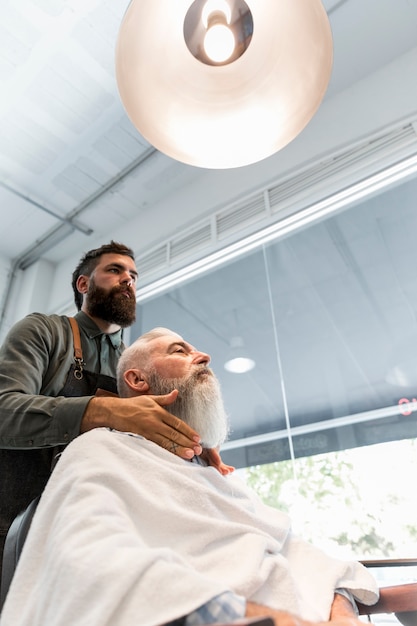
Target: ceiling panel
<point>20,220</point>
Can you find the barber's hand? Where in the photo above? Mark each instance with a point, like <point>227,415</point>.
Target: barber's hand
<point>145,416</point>
<point>212,457</point>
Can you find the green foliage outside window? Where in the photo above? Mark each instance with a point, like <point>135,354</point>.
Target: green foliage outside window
<point>357,503</point>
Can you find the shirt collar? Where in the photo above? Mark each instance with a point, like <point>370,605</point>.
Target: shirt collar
<point>92,330</point>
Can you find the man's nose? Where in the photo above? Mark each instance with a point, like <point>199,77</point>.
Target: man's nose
<point>126,279</point>
<point>201,357</point>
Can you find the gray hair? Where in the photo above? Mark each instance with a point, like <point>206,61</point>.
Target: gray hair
<point>137,356</point>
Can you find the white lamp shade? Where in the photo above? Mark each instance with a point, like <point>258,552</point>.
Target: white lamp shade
<point>229,115</point>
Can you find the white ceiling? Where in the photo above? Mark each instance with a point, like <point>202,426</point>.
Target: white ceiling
<point>69,157</point>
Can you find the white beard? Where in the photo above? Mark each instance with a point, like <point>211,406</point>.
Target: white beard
<point>199,403</point>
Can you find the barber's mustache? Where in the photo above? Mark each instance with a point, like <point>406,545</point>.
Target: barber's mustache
<point>123,289</point>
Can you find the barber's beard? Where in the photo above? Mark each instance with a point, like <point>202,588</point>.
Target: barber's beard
<point>199,403</point>
<point>111,306</point>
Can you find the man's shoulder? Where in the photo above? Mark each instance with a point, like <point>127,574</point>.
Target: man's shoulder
<point>40,328</point>
<point>51,317</point>
<point>52,322</point>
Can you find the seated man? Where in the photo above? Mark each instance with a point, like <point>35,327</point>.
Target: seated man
<point>127,533</point>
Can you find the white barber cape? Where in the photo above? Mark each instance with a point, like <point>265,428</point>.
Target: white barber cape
<point>127,534</point>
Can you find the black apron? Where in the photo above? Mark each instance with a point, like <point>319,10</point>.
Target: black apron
<point>24,473</point>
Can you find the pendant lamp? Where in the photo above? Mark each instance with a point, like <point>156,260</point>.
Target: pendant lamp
<point>222,83</point>
<point>238,361</point>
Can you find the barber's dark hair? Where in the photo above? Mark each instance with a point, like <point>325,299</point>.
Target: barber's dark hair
<point>89,262</point>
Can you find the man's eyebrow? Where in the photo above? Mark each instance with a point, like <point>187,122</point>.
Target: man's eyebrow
<point>182,344</point>
<point>120,266</point>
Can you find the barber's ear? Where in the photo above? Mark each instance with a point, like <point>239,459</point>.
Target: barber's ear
<point>134,379</point>
<point>82,283</point>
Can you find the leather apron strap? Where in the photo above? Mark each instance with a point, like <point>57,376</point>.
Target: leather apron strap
<point>78,352</point>
<point>97,384</point>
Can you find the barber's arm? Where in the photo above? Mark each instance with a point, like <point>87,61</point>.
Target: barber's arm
<point>33,369</point>
<point>34,363</point>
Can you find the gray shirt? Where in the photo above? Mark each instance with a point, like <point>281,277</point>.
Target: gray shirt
<point>34,362</point>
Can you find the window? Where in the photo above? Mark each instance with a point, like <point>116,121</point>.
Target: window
<point>328,313</point>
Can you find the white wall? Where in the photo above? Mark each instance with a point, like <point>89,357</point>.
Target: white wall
<point>383,99</point>
<point>29,291</point>
<point>4,280</point>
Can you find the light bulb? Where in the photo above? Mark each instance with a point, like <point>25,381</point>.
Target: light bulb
<point>217,33</point>
<point>219,43</point>
<point>215,6</point>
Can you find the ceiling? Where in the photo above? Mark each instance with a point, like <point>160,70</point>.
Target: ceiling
<point>72,167</point>
<point>71,164</point>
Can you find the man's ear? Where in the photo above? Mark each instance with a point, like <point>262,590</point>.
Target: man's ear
<point>135,380</point>
<point>82,283</point>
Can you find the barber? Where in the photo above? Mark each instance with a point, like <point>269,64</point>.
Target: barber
<point>57,380</point>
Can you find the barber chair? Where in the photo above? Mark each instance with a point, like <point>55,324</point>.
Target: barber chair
<point>15,539</point>
<point>400,600</point>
